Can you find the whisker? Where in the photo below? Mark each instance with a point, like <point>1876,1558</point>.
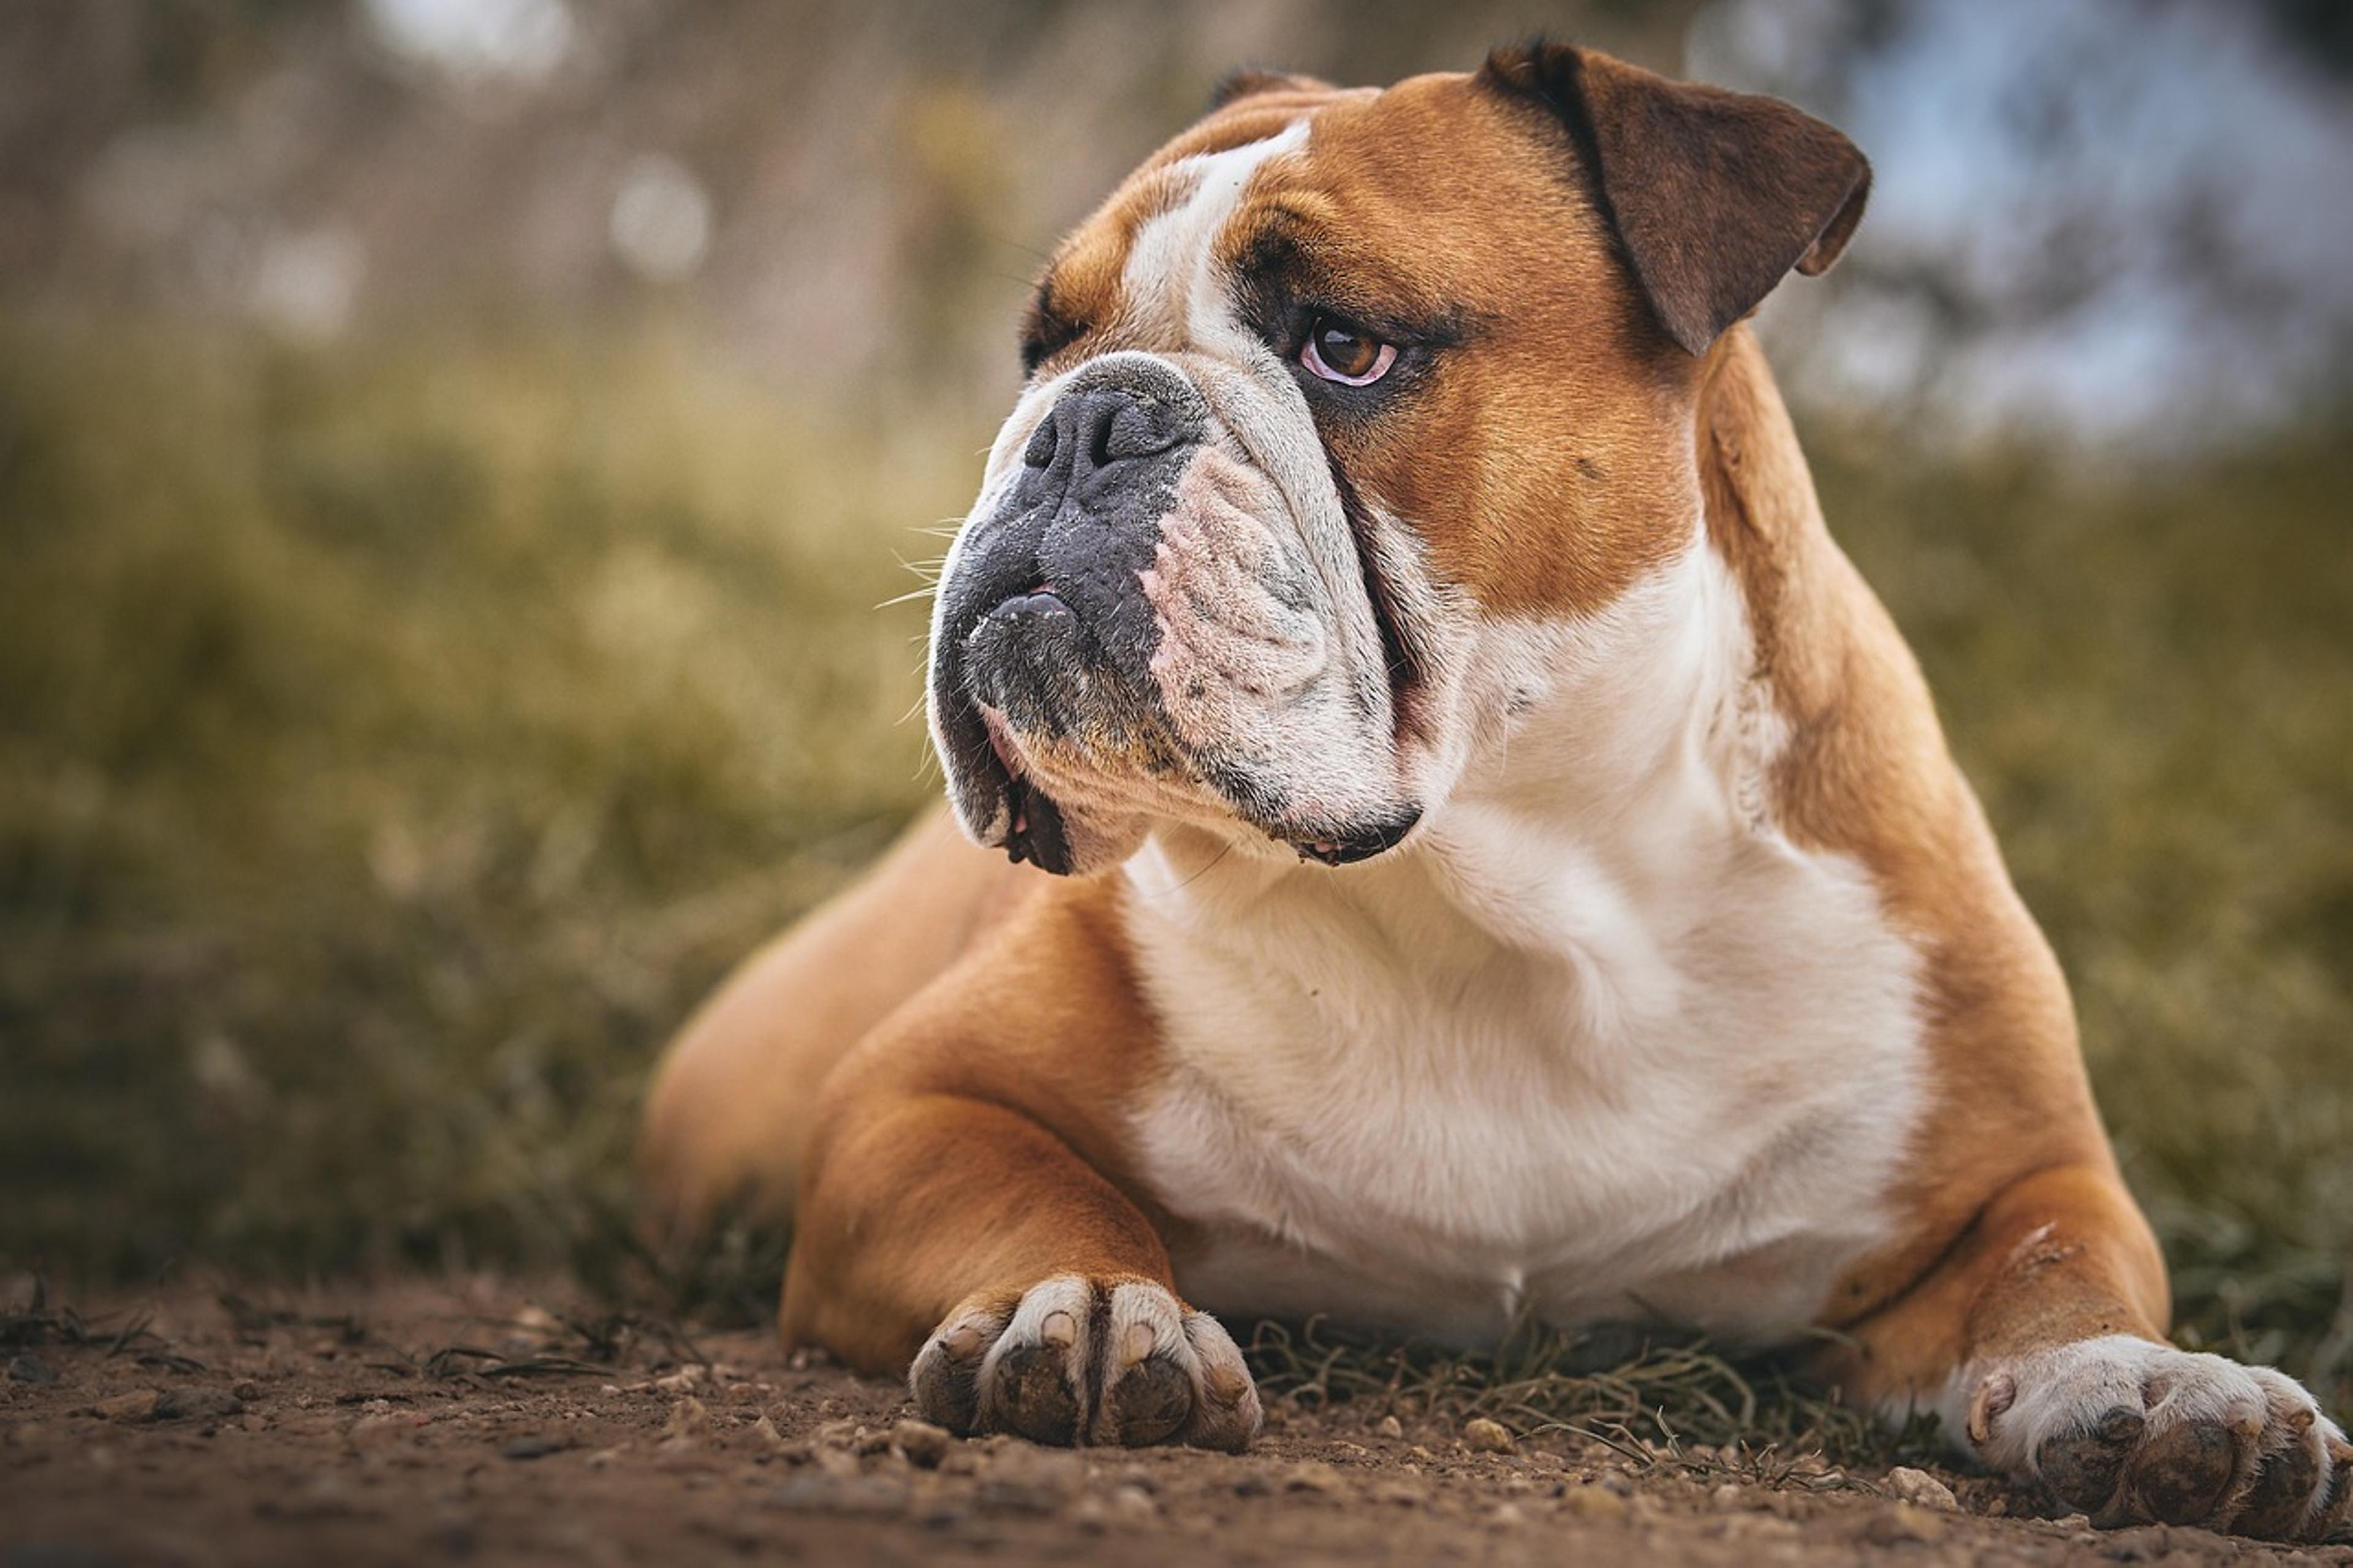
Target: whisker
<point>1214,861</point>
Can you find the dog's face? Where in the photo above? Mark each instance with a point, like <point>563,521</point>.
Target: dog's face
<point>1336,397</point>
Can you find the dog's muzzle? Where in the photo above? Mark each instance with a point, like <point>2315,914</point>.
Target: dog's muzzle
<point>1042,633</point>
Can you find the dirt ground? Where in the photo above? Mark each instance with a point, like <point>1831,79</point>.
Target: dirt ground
<point>481,1422</point>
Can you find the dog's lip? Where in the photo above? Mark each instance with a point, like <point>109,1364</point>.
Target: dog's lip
<point>1042,600</point>
<point>1034,830</point>
<point>1345,848</point>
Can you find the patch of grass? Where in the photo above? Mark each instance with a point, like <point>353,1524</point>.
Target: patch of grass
<point>400,737</point>
<point>38,1320</point>
<point>1651,1398</point>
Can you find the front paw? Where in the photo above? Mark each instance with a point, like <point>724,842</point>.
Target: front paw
<point>1079,1361</point>
<point>2131,1432</point>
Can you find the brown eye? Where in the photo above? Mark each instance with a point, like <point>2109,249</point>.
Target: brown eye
<point>1337,352</point>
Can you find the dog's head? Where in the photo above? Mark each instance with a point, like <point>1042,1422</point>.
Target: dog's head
<point>1333,393</point>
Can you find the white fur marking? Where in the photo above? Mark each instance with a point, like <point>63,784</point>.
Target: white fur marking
<point>1170,261</point>
<point>1594,1041</point>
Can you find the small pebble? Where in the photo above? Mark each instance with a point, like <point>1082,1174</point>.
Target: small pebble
<point>1921,1488</point>
<point>920,1443</point>
<point>139,1404</point>
<point>1486,1437</point>
<point>1390,1426</point>
<point>689,1420</point>
<point>197,1404</point>
<point>26,1367</point>
<point>1594,1503</point>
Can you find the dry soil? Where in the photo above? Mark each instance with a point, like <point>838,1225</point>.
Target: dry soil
<point>476,1421</point>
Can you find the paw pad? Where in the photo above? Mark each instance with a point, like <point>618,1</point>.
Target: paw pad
<point>2133,1432</point>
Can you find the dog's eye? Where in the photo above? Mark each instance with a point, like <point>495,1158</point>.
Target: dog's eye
<point>1338,351</point>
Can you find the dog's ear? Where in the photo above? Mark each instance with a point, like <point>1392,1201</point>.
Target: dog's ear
<point>1714,194</point>
<point>1250,82</point>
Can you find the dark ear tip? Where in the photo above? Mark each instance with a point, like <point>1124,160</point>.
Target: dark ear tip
<point>1530,65</point>
<point>1250,82</point>
<point>1830,244</point>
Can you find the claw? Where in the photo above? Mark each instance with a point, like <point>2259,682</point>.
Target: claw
<point>1138,1344</point>
<point>1994,1396</point>
<point>1077,1360</point>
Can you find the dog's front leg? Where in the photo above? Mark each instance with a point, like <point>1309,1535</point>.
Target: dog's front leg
<point>2037,1340</point>
<point>1031,1294</point>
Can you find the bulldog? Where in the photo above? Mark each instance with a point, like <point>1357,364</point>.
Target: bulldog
<point>1503,861</point>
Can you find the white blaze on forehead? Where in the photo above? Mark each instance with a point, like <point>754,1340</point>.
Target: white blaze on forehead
<point>1172,283</point>
<point>1170,266</point>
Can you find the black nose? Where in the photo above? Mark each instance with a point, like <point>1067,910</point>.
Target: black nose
<point>1093,436</point>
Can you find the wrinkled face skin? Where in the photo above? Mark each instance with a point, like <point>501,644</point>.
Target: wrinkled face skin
<point>1237,563</point>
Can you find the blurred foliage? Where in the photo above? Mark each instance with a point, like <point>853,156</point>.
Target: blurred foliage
<point>400,736</point>
<point>397,742</point>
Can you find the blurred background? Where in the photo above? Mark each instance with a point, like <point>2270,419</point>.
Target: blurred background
<point>455,457</point>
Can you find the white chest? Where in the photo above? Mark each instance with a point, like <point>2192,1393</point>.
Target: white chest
<point>1676,1092</point>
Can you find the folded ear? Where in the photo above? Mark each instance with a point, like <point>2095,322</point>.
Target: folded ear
<point>1714,195</point>
<point>1250,82</point>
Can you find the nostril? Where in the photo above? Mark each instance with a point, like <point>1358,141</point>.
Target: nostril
<point>1103,437</point>
<point>1039,453</point>
<point>1136,429</point>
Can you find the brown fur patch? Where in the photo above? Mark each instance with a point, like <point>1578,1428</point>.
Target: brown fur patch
<point>2010,1142</point>
<point>977,1142</point>
<point>1487,457</point>
<point>730,1112</point>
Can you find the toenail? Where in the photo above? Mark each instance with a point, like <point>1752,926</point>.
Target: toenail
<point>961,1342</point>
<point>1058,1329</point>
<point>1138,1343</point>
<point>1994,1396</point>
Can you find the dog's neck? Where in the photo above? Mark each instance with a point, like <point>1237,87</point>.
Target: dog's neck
<point>1634,758</point>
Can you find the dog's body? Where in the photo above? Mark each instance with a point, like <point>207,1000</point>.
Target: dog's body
<point>1680,978</point>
